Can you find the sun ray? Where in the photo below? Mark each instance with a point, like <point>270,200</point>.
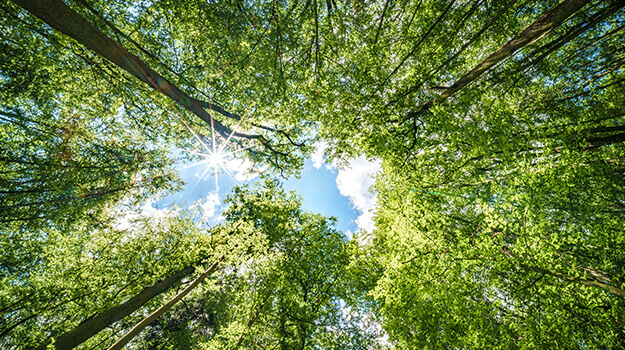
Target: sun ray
<point>227,171</point>
<point>223,146</point>
<point>197,137</point>
<point>199,179</point>
<point>214,156</point>
<point>192,165</point>
<point>216,178</point>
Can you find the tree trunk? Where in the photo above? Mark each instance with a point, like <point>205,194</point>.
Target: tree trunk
<point>590,283</point>
<point>156,314</point>
<point>62,18</point>
<point>249,324</point>
<point>527,37</point>
<point>94,325</point>
<point>596,142</point>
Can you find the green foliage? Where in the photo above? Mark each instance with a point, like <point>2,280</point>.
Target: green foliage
<point>500,205</point>
<point>67,144</point>
<point>93,265</point>
<point>459,267</point>
<point>286,290</point>
<point>500,208</point>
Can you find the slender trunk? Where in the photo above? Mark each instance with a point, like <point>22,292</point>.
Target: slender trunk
<point>590,283</point>
<point>249,324</point>
<point>94,325</point>
<point>476,36</point>
<point>527,37</point>
<point>62,18</point>
<point>597,142</point>
<point>152,317</point>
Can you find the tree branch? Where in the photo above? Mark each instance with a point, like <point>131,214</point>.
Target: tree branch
<point>528,36</point>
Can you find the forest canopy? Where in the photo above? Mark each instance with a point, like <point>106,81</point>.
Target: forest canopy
<point>500,127</point>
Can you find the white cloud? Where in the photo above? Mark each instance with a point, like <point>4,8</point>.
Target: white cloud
<point>210,205</point>
<point>354,182</point>
<point>246,170</point>
<point>127,218</point>
<point>207,207</point>
<point>317,156</point>
<point>349,234</point>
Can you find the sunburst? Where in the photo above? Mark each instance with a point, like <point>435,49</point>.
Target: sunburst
<point>214,157</point>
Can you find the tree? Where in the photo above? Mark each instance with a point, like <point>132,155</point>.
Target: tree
<point>286,295</point>
<point>499,125</point>
<point>94,266</point>
<point>97,323</point>
<point>277,274</point>
<point>64,19</point>
<point>529,35</point>
<point>511,271</point>
<point>119,344</point>
<point>499,204</point>
<point>386,91</point>
<point>87,167</point>
<point>56,163</point>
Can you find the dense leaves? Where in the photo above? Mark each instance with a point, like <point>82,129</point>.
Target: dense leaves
<point>500,221</point>
<point>90,267</point>
<point>499,125</point>
<point>285,295</point>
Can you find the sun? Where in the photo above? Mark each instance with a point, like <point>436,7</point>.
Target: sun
<point>214,157</point>
<point>216,161</point>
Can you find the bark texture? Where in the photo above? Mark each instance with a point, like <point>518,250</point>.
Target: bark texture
<point>62,18</point>
<point>94,325</point>
<point>527,37</point>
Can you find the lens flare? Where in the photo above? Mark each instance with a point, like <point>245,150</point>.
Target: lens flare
<point>217,159</point>
<point>214,157</point>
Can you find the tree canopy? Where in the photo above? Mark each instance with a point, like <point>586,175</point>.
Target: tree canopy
<point>499,126</point>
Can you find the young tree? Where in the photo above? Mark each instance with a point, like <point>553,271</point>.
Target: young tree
<point>286,295</point>
<point>94,274</point>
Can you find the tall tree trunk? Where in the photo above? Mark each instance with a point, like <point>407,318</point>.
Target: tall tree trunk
<point>596,142</point>
<point>62,18</point>
<point>527,37</point>
<point>249,324</point>
<point>590,283</point>
<point>92,326</point>
<point>156,314</point>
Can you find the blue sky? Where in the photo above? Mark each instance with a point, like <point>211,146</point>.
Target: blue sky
<point>342,193</point>
<point>319,191</point>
